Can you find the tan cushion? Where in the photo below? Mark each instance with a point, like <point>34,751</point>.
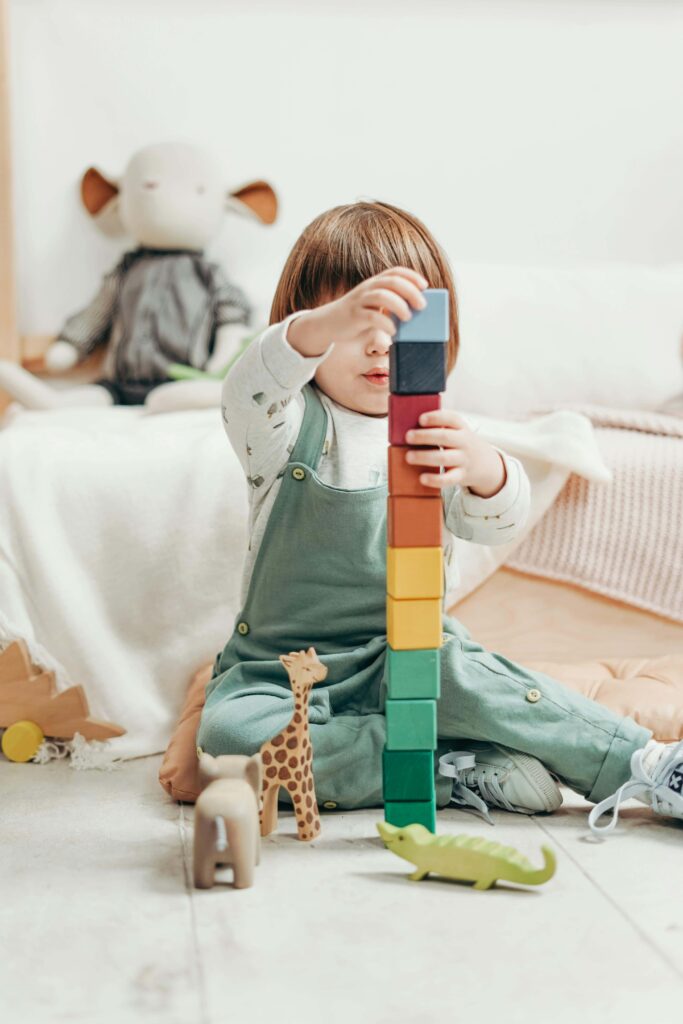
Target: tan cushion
<point>649,690</point>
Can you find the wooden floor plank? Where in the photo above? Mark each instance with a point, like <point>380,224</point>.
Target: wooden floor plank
<point>637,868</point>
<point>96,919</point>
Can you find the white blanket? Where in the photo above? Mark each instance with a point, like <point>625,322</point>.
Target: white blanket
<point>122,539</point>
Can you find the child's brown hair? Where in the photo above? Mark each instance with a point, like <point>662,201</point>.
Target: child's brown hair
<point>348,244</point>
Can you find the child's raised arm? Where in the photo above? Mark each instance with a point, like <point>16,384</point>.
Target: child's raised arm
<point>262,405</point>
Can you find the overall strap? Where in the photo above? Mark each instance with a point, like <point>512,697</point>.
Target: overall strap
<point>309,443</point>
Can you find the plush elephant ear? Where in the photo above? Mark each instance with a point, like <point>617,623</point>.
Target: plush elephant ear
<point>253,773</point>
<point>100,197</point>
<point>254,200</point>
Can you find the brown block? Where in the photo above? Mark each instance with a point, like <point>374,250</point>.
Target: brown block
<point>414,522</point>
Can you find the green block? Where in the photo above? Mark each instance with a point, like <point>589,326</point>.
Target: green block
<point>411,724</point>
<point>408,775</point>
<point>406,812</point>
<point>414,674</point>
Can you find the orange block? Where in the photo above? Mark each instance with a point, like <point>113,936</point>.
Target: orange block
<point>405,478</point>
<point>414,522</point>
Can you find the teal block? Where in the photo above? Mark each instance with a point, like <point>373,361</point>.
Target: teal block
<point>401,813</point>
<point>408,775</point>
<point>428,324</point>
<point>411,724</point>
<point>414,674</point>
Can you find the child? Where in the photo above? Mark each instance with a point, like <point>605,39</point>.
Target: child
<point>305,409</point>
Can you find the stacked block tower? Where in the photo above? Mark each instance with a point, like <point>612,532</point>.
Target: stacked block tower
<point>414,571</point>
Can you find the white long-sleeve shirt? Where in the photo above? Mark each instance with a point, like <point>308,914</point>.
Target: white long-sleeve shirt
<point>262,409</point>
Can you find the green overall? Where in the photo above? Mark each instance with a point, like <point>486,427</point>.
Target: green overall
<point>319,579</point>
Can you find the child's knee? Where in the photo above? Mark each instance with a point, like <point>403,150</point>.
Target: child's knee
<point>241,725</point>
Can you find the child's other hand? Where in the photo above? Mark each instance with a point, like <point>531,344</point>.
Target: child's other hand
<point>466,458</point>
<point>362,311</point>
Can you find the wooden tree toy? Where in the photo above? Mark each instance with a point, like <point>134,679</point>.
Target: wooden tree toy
<point>414,571</point>
<point>288,757</point>
<point>31,708</point>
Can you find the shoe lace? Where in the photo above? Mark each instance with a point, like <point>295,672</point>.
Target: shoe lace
<point>461,766</point>
<point>662,798</point>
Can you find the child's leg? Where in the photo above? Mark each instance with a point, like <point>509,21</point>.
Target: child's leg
<point>485,696</point>
<point>347,748</point>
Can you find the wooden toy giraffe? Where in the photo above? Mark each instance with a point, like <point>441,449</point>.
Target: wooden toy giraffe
<point>287,758</point>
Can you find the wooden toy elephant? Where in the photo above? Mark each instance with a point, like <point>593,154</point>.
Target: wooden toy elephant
<point>226,821</point>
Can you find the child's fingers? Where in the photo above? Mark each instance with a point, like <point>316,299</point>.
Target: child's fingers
<point>443,418</point>
<point>448,457</point>
<point>441,480</point>
<point>403,286</point>
<point>445,437</point>
<point>383,298</point>
<point>409,273</point>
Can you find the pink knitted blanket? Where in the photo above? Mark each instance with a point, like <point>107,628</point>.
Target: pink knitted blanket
<point>623,539</point>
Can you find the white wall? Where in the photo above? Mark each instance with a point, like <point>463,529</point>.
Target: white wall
<point>525,131</point>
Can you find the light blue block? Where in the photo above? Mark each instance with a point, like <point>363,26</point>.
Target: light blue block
<point>428,324</point>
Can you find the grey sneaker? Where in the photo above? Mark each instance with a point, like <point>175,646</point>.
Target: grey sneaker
<point>661,788</point>
<point>491,775</point>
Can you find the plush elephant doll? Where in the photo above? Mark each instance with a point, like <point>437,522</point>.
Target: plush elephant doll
<point>164,303</point>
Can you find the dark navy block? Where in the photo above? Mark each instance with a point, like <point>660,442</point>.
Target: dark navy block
<point>417,368</point>
<point>428,324</point>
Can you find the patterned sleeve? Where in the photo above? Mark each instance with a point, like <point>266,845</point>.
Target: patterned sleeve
<point>494,520</point>
<point>262,404</point>
<point>87,329</point>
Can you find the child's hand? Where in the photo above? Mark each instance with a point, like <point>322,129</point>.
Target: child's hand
<point>364,309</point>
<point>467,459</point>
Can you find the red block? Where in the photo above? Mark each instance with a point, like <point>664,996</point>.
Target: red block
<point>404,413</point>
<point>404,477</point>
<point>414,522</point>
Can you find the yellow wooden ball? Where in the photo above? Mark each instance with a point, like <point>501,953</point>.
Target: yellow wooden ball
<point>20,742</point>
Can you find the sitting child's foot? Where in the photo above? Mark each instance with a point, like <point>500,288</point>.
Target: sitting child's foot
<point>656,780</point>
<point>489,775</point>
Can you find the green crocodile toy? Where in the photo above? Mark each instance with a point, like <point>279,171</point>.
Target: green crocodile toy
<point>466,858</point>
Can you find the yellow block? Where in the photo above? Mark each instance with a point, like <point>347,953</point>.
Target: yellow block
<point>20,742</point>
<point>414,573</point>
<point>413,625</point>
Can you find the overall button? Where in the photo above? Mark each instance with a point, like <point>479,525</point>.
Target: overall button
<point>243,628</point>
<point>199,751</point>
<point>298,473</point>
<point>330,805</point>
<point>533,695</point>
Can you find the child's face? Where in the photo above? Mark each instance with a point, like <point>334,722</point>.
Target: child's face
<point>356,374</point>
